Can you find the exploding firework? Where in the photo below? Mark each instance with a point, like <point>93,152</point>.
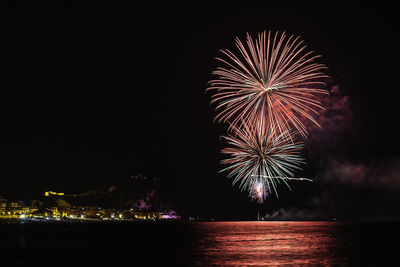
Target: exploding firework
<point>258,191</point>
<point>277,81</point>
<point>258,155</point>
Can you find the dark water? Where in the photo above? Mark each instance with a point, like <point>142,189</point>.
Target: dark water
<point>200,244</point>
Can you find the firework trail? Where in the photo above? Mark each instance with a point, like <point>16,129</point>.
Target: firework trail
<point>276,81</point>
<point>258,155</point>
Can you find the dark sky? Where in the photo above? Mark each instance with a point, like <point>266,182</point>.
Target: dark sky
<point>105,92</point>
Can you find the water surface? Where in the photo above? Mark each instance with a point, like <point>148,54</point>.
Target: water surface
<point>200,244</point>
<point>257,243</point>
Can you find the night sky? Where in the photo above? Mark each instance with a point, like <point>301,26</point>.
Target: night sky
<point>105,92</point>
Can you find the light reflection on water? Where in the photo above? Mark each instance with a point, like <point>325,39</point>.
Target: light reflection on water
<point>180,243</point>
<point>269,243</point>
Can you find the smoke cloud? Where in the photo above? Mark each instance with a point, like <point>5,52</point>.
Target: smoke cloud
<point>344,188</point>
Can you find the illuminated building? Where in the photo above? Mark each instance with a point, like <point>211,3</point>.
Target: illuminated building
<point>73,213</point>
<point>90,212</point>
<point>49,193</point>
<point>146,215</point>
<point>13,205</point>
<point>56,212</point>
<point>3,205</point>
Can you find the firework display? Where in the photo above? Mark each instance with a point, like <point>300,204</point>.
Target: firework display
<point>274,80</point>
<point>258,191</point>
<point>264,93</point>
<point>259,156</point>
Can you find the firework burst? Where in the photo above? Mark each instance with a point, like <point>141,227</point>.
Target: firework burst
<point>276,81</point>
<point>258,191</point>
<point>259,156</point>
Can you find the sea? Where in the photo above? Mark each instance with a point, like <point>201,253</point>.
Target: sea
<point>183,243</point>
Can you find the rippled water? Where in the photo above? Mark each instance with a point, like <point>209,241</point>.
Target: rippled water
<point>271,243</point>
<point>200,244</point>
